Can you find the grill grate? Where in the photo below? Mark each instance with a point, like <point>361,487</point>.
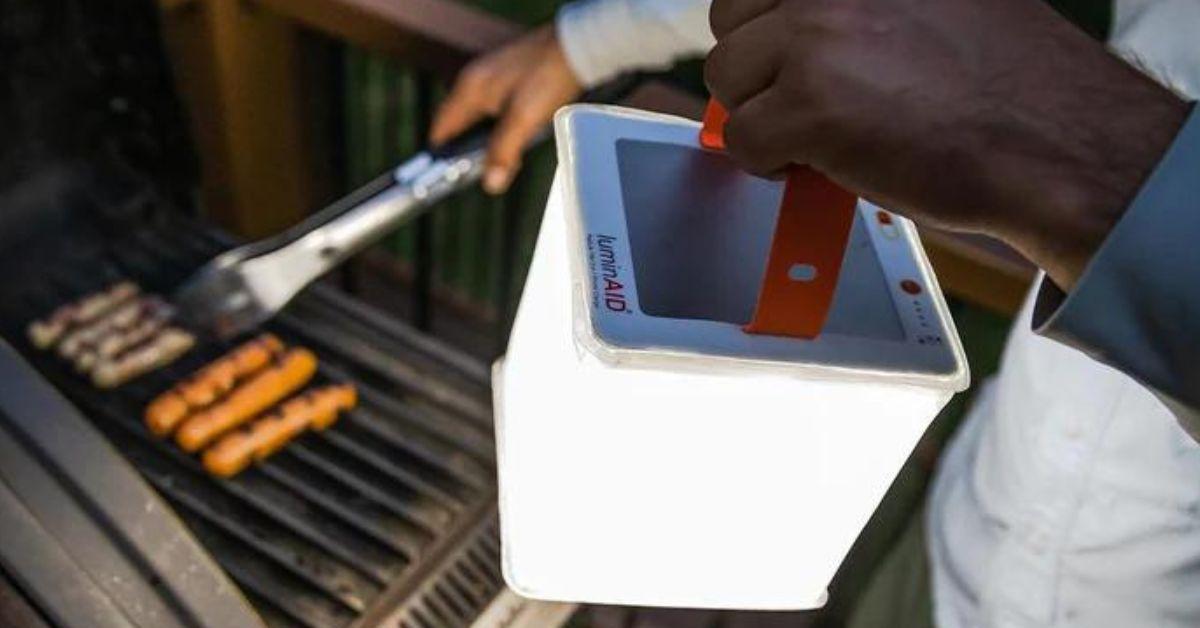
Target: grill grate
<point>463,587</point>
<point>342,526</point>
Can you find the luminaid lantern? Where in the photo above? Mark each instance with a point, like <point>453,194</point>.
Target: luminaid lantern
<point>651,450</point>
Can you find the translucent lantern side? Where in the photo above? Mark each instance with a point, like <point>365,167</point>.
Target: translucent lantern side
<point>643,486</point>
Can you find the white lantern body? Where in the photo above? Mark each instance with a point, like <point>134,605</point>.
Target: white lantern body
<point>664,460</point>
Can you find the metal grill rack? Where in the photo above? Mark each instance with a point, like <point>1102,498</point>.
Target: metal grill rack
<point>392,508</point>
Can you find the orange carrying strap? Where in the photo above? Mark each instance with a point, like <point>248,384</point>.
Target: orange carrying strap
<point>810,238</point>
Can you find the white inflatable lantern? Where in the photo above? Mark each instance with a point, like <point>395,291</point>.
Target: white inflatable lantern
<point>651,452</point>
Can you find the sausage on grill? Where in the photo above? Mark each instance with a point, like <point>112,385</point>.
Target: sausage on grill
<point>121,329</point>
<point>119,343</point>
<point>83,337</point>
<point>208,384</point>
<point>315,410</point>
<point>247,400</point>
<point>46,332</point>
<point>161,350</point>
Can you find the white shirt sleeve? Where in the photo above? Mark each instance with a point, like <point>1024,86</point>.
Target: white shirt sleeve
<point>1160,37</point>
<point>603,38</point>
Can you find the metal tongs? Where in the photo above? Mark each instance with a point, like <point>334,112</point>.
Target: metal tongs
<point>248,285</point>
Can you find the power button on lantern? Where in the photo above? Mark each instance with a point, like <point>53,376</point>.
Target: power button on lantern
<point>910,286</point>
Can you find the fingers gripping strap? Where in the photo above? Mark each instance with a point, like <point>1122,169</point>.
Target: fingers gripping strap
<point>807,248</point>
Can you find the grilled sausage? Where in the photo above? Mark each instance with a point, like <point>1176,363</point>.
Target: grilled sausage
<point>92,306</point>
<point>169,409</point>
<point>247,400</point>
<point>161,350</point>
<point>83,337</point>
<point>314,410</point>
<point>121,329</point>
<point>44,333</point>
<point>130,337</point>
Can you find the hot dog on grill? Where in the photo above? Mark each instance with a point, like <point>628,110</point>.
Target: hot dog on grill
<point>247,400</point>
<point>220,376</point>
<point>315,410</point>
<point>166,412</point>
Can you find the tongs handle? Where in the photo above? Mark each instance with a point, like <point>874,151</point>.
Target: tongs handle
<point>475,138</point>
<point>416,186</point>
<point>395,198</point>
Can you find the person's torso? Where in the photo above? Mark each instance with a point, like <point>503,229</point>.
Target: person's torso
<point>1072,498</point>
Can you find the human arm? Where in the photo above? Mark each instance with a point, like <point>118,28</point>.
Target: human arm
<point>525,82</point>
<point>993,116</point>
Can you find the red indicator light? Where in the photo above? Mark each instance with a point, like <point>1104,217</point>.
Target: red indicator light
<point>883,217</point>
<point>910,286</point>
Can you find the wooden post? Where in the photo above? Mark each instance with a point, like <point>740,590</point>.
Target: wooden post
<point>239,70</point>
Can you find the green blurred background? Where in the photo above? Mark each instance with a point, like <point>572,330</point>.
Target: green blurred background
<point>380,109</point>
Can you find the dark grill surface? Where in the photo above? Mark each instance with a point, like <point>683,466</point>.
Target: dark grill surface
<point>462,588</point>
<point>388,515</point>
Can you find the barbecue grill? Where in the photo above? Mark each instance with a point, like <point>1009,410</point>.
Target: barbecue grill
<point>388,518</point>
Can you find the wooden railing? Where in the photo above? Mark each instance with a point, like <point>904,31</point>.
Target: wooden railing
<point>248,79</point>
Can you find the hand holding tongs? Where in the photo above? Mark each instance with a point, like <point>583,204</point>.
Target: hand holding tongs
<point>246,286</point>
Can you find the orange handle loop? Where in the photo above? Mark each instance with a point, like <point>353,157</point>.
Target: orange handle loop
<point>807,248</point>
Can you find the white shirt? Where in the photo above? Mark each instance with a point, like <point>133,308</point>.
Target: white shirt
<point>602,38</point>
<point>1071,496</point>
